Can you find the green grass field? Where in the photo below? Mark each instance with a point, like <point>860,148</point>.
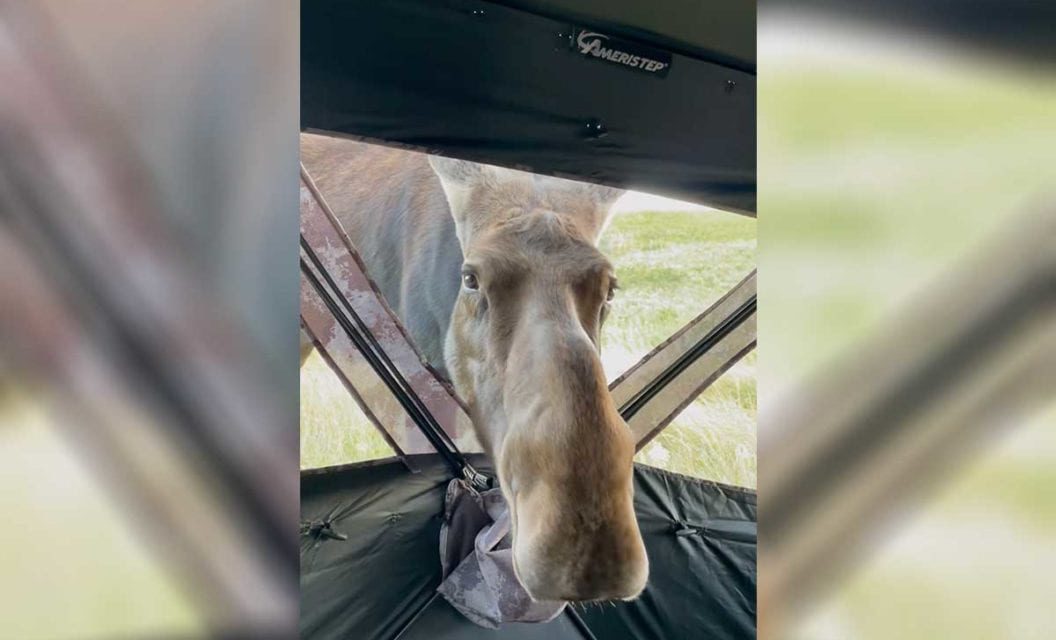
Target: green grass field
<point>671,266</point>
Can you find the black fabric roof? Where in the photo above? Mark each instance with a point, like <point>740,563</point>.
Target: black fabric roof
<point>380,581</point>
<point>502,85</point>
<point>718,30</point>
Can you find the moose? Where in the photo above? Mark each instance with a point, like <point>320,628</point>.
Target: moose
<point>497,277</point>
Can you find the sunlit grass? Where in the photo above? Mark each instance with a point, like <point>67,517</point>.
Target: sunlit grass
<point>714,437</point>
<point>334,429</point>
<point>671,267</point>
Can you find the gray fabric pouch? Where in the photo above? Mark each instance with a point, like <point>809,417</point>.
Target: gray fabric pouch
<point>477,561</point>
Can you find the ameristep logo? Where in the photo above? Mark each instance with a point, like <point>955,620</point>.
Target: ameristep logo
<point>630,55</point>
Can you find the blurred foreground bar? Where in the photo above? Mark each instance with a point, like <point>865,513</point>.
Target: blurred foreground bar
<point>117,319</point>
<point>865,440</point>
<point>909,293</point>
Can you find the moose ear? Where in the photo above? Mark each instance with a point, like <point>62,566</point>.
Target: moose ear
<point>460,172</point>
<point>458,178</point>
<point>605,196</point>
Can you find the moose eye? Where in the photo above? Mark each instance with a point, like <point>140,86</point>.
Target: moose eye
<point>469,281</point>
<point>611,294</point>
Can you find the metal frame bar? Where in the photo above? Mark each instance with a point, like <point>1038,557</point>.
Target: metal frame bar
<point>336,255</point>
<point>654,391</point>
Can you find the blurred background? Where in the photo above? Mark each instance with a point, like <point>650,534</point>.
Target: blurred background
<point>148,217</point>
<point>906,366</point>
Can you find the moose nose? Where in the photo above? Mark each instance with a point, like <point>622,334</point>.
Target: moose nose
<point>567,460</point>
<point>578,552</point>
<point>614,567</point>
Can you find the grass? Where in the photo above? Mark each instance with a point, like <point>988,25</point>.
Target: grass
<point>671,266</point>
<point>334,429</point>
<point>714,437</point>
